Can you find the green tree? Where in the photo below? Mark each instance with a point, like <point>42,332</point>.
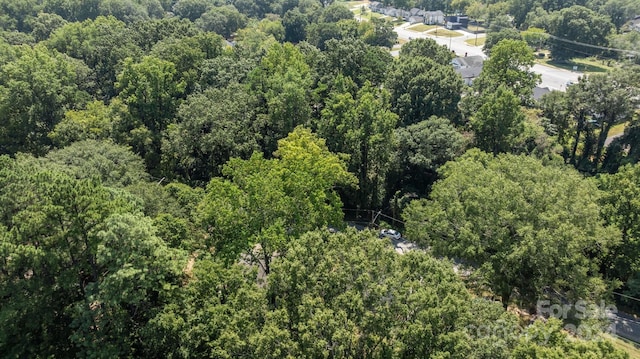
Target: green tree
<point>611,99</point>
<point>151,90</point>
<point>51,226</point>
<point>535,37</point>
<point>578,31</point>
<point>498,122</point>
<point>266,202</point>
<point>114,165</point>
<point>125,10</point>
<point>555,110</point>
<point>344,292</point>
<point>294,23</point>
<point>426,48</point>
<point>139,273</point>
<point>191,9</point>
<point>361,126</point>
<point>509,66</point>
<point>550,340</point>
<point>380,34</point>
<point>102,44</point>
<point>620,11</point>
<point>335,13</point>
<point>18,12</point>
<point>525,226</point>
<point>421,149</point>
<point>319,33</point>
<point>44,24</point>
<point>421,88</point>
<point>148,33</point>
<point>210,128</point>
<point>497,34</point>
<point>35,90</point>
<point>353,58</point>
<point>282,82</point>
<point>224,20</point>
<point>188,54</point>
<point>96,122</point>
<point>620,207</point>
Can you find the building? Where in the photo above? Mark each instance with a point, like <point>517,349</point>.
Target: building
<point>433,17</point>
<point>469,67</point>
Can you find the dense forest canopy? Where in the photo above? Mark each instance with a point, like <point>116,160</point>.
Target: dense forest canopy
<point>178,179</point>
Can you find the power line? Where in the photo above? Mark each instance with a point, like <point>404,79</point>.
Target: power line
<point>558,38</point>
<point>626,296</point>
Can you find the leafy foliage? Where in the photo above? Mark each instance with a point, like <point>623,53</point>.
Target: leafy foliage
<point>526,226</point>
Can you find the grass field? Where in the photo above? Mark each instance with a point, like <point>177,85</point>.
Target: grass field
<point>351,4</point>
<point>617,129</point>
<point>634,352</point>
<point>444,33</point>
<point>586,65</point>
<point>477,28</point>
<point>421,27</point>
<point>473,42</point>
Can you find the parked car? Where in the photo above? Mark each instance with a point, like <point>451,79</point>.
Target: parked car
<point>390,233</point>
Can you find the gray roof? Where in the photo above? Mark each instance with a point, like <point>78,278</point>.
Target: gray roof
<point>469,72</point>
<point>468,62</point>
<point>538,92</point>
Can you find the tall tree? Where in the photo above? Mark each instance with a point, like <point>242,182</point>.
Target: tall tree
<point>362,126</point>
<point>498,122</point>
<point>210,128</point>
<point>266,202</point>
<point>421,149</point>
<point>420,88</point>
<point>578,31</point>
<point>51,226</point>
<point>102,44</point>
<point>620,207</point>
<point>426,48</point>
<point>35,91</point>
<point>525,225</point>
<point>282,82</point>
<point>611,99</point>
<point>152,91</point>
<point>509,66</point>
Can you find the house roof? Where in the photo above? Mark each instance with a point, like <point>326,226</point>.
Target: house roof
<point>468,62</point>
<point>469,72</point>
<point>538,92</point>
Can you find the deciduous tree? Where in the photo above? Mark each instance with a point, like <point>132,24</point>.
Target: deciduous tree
<point>525,226</point>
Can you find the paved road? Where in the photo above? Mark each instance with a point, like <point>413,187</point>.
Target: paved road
<point>553,78</point>
<point>625,325</point>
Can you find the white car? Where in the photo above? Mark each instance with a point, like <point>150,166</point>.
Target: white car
<point>390,233</point>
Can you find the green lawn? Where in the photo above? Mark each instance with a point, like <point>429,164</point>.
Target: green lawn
<point>472,42</point>
<point>421,27</point>
<point>367,15</point>
<point>351,4</point>
<point>586,65</point>
<point>617,129</point>
<point>477,28</point>
<point>444,33</point>
<point>630,348</point>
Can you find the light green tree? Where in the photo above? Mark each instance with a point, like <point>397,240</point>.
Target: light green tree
<point>266,202</point>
